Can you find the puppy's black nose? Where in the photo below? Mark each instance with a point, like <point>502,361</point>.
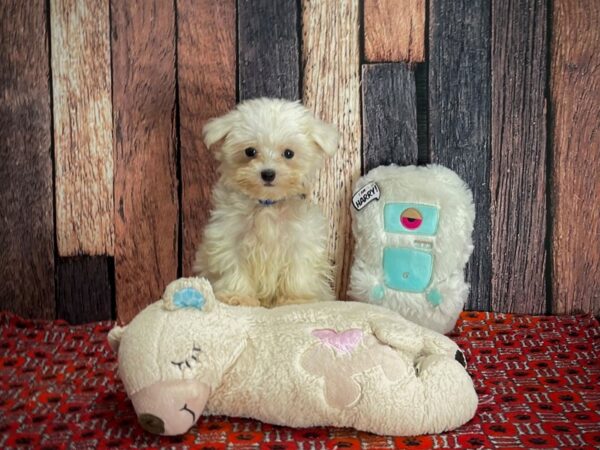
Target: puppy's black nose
<point>268,175</point>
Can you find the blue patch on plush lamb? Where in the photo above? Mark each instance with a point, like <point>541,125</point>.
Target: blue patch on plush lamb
<point>189,298</point>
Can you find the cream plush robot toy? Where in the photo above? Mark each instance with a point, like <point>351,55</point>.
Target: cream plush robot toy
<point>412,226</point>
<point>330,363</point>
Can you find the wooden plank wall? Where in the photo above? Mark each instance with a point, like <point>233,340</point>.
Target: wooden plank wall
<point>459,117</point>
<point>331,59</point>
<point>83,157</point>
<point>575,171</point>
<point>26,205</point>
<point>518,160</point>
<point>145,140</point>
<point>206,39</point>
<point>105,182</point>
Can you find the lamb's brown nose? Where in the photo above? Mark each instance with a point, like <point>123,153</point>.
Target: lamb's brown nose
<point>151,423</point>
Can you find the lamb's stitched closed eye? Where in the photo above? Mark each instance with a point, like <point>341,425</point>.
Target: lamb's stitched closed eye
<point>194,356</point>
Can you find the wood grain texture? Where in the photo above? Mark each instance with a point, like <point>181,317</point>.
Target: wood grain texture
<point>518,163</point>
<point>575,110</point>
<point>459,117</point>
<point>146,219</point>
<point>26,210</point>
<point>389,115</point>
<point>206,77</point>
<point>394,30</point>
<point>269,49</point>
<point>84,291</point>
<point>81,89</point>
<point>422,89</point>
<point>332,89</point>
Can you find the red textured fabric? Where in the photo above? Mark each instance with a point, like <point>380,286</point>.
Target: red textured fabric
<point>538,379</point>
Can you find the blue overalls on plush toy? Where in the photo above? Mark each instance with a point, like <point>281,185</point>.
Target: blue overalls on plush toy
<point>413,228</point>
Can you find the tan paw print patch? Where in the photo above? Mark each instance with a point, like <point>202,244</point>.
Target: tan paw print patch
<point>338,357</point>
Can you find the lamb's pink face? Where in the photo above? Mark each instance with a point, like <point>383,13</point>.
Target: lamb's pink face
<point>170,407</point>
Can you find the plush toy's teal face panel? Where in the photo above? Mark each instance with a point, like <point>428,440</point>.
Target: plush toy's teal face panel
<point>410,218</point>
<point>406,269</point>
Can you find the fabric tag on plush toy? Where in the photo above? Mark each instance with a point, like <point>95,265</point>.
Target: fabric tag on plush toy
<point>365,195</point>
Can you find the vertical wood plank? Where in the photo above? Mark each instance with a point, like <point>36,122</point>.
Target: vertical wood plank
<point>269,49</point>
<point>394,30</point>
<point>84,289</point>
<point>332,90</point>
<point>421,86</point>
<point>206,77</point>
<point>389,115</point>
<point>575,190</point>
<point>459,117</point>
<point>81,89</point>
<point>518,163</point>
<point>146,219</point>
<point>26,209</point>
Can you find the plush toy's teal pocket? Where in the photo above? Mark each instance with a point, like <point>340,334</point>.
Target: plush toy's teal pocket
<point>406,269</point>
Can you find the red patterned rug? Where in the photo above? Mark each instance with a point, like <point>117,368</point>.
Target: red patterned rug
<point>538,379</point>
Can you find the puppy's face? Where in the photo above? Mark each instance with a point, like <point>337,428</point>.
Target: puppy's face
<point>270,149</point>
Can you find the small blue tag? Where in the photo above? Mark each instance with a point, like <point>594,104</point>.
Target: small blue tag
<point>188,298</point>
<point>378,292</point>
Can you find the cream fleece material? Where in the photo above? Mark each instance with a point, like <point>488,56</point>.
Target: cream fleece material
<point>331,363</point>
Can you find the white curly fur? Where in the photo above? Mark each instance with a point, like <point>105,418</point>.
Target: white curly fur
<point>269,255</point>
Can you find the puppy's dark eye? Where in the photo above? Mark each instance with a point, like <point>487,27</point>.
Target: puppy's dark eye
<point>250,152</point>
<point>288,154</point>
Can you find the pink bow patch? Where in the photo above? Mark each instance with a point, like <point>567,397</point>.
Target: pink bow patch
<point>344,341</point>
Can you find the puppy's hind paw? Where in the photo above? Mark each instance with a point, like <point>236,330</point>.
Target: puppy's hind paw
<point>235,299</point>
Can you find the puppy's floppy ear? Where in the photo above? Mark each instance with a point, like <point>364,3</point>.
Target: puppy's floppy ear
<point>217,129</point>
<point>325,136</point>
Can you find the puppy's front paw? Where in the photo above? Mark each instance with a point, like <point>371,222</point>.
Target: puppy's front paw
<point>235,299</point>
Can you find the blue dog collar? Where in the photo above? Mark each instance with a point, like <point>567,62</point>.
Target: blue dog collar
<point>272,202</point>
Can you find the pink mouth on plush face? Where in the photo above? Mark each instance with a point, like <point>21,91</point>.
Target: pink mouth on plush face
<point>411,218</point>
<point>411,223</point>
<point>170,407</point>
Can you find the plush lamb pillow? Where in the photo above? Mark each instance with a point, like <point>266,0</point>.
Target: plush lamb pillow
<point>331,363</point>
<point>412,227</point>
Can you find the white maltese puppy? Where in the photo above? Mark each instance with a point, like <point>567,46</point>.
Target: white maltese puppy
<point>265,243</point>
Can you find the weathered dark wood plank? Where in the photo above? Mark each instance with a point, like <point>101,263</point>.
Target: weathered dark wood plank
<point>81,89</point>
<point>389,115</point>
<point>575,190</point>
<point>146,203</point>
<point>459,117</point>
<point>331,88</point>
<point>394,30</point>
<point>518,164</point>
<point>422,88</point>
<point>207,75</point>
<point>26,209</point>
<point>84,291</point>
<point>269,49</point>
